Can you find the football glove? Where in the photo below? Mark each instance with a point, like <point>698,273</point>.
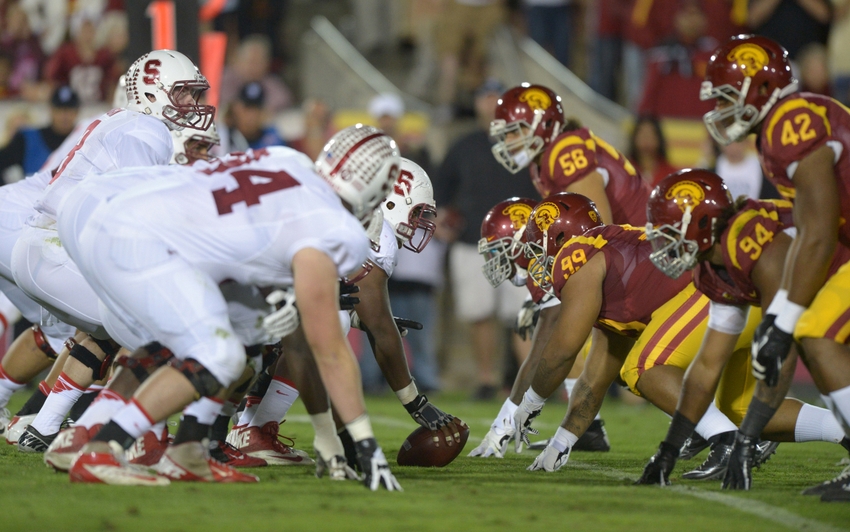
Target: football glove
<point>657,471</point>
<point>524,415</point>
<point>426,414</point>
<point>551,459</point>
<point>346,300</point>
<point>770,348</point>
<point>336,467</point>
<point>739,473</point>
<point>526,319</point>
<point>401,323</point>
<point>284,320</point>
<point>376,470</point>
<point>350,449</point>
<point>495,442</point>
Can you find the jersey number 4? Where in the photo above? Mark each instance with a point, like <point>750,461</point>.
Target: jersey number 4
<point>250,192</point>
<point>792,135</point>
<point>754,247</point>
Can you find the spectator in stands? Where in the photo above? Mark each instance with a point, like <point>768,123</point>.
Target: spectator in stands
<point>113,35</point>
<point>49,21</point>
<point>738,165</point>
<point>814,69</point>
<point>469,182</point>
<point>550,24</point>
<point>648,150</point>
<point>387,109</point>
<point>791,23</point>
<point>251,64</point>
<point>80,64</point>
<point>22,47</point>
<point>247,120</point>
<point>464,29</point>
<point>676,69</point>
<point>30,147</point>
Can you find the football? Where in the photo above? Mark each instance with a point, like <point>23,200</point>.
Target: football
<point>431,448</point>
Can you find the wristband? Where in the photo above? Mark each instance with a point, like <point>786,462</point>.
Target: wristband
<point>778,302</point>
<point>534,399</point>
<point>408,393</point>
<point>788,317</point>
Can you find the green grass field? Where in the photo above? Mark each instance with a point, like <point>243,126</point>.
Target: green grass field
<point>592,492</point>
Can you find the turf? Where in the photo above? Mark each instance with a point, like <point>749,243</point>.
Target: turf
<point>592,492</point>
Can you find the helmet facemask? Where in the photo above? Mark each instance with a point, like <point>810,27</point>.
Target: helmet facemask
<point>500,255</point>
<point>540,264</point>
<point>184,114</point>
<point>523,146</point>
<point>671,252</point>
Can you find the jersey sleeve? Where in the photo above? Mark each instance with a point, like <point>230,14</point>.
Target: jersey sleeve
<point>572,256</point>
<point>748,233</point>
<point>345,243</point>
<point>571,158</point>
<point>729,319</point>
<point>797,128</point>
<point>386,258</point>
<point>148,144</point>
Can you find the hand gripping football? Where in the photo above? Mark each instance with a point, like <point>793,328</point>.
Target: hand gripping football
<point>432,448</point>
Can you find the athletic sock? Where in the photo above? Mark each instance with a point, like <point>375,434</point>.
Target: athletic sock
<point>714,422</point>
<point>62,397</point>
<point>276,402</point>
<point>85,401</point>
<point>102,409</point>
<point>360,428</point>
<point>840,406</point>
<point>8,386</point>
<point>130,422</point>
<point>817,424</point>
<point>254,398</point>
<point>326,442</point>
<point>220,426</point>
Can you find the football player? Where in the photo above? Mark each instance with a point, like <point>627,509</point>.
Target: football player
<point>531,130</point>
<point>803,142</point>
<point>737,250</point>
<point>190,229</point>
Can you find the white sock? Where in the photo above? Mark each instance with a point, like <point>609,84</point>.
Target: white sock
<point>205,410</point>
<point>8,386</point>
<point>102,409</point>
<point>841,407</point>
<point>276,403</point>
<point>361,428</point>
<point>714,422</point>
<point>817,424</point>
<point>63,395</point>
<point>133,419</point>
<point>563,439</point>
<point>326,442</point>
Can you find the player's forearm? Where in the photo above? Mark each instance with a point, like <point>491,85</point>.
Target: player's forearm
<point>807,264</point>
<point>527,370</point>
<point>389,353</point>
<point>552,369</point>
<point>773,396</point>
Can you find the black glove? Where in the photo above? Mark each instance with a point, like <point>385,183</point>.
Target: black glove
<point>739,472</point>
<point>770,348</point>
<point>404,324</point>
<point>346,300</point>
<point>426,414</point>
<point>526,319</point>
<point>657,471</point>
<point>376,470</point>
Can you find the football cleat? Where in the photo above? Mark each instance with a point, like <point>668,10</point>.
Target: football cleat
<point>191,462</point>
<point>67,445</point>
<point>230,455</point>
<point>5,418</point>
<point>103,463</point>
<point>714,466</point>
<point>16,427</point>
<point>148,448</point>
<point>764,450</point>
<point>594,439</point>
<point>693,446</point>
<point>264,442</point>
<point>840,482</point>
<point>337,468</point>
<point>32,441</point>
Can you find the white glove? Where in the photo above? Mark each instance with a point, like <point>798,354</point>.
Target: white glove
<point>495,443</point>
<point>551,459</point>
<point>526,412</point>
<point>376,470</point>
<point>284,320</point>
<point>336,467</point>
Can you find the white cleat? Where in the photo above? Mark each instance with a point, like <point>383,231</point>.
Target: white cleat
<point>103,463</point>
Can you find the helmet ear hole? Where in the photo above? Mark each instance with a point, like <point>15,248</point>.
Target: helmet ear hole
<point>151,98</point>
<point>559,240</point>
<point>390,205</point>
<point>703,222</point>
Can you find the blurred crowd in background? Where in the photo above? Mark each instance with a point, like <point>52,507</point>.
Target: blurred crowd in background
<point>647,55</point>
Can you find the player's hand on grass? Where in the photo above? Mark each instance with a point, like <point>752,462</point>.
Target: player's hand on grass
<point>283,320</point>
<point>376,470</point>
<point>336,467</point>
<point>657,471</point>
<point>493,444</point>
<point>551,459</point>
<point>739,472</point>
<point>525,413</point>
<point>771,346</point>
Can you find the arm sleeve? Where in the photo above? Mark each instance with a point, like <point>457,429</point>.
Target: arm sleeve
<point>144,148</point>
<point>729,319</point>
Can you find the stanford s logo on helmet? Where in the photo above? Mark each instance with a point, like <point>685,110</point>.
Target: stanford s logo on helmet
<point>682,213</point>
<point>532,116</point>
<point>502,240</point>
<point>410,206</point>
<point>748,74</point>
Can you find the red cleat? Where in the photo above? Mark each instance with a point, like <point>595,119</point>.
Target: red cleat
<point>103,463</point>
<point>148,449</point>
<point>265,443</point>
<point>230,455</point>
<point>61,453</point>
<point>191,462</point>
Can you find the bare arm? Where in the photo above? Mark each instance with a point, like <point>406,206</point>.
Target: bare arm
<point>545,326</point>
<point>593,187</point>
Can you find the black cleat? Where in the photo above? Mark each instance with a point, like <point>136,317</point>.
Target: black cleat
<point>841,482</point>
<point>837,494</point>
<point>32,441</point>
<point>764,450</point>
<point>595,439</point>
<point>693,446</point>
<point>714,465</point>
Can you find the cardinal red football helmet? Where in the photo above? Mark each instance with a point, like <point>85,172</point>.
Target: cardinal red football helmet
<point>749,74</point>
<point>502,243</point>
<point>682,212</point>
<point>532,116</point>
<point>552,223</point>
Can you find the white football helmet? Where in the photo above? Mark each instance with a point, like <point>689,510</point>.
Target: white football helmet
<point>409,202</point>
<point>167,85</point>
<point>361,163</point>
<point>191,145</point>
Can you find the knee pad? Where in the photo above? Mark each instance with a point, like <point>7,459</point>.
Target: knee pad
<point>205,384</point>
<point>110,347</point>
<point>98,367</point>
<point>142,365</point>
<point>42,343</point>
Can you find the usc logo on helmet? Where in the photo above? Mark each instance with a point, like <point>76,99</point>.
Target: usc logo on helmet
<point>536,99</point>
<point>518,213</point>
<point>751,58</point>
<point>546,215</point>
<point>686,194</point>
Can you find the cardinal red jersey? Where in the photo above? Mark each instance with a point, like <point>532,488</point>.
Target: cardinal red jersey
<point>633,287</point>
<point>797,126</point>
<point>537,293</point>
<point>575,154</point>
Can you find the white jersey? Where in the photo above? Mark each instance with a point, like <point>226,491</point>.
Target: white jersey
<point>386,258</point>
<point>240,218</point>
<point>115,140</point>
